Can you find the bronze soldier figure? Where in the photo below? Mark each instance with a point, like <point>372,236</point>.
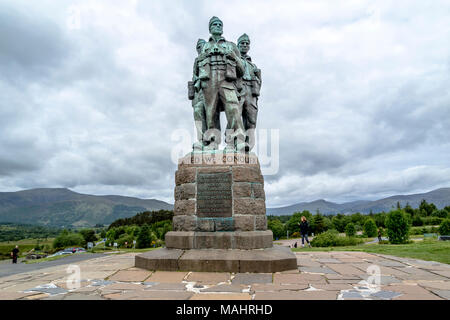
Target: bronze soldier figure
<point>198,100</point>
<point>220,66</point>
<point>251,85</point>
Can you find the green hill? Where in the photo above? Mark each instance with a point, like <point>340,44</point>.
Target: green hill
<point>65,208</point>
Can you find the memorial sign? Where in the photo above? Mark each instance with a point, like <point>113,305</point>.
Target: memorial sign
<point>214,195</point>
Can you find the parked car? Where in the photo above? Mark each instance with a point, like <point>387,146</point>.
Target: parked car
<point>74,250</point>
<point>68,251</point>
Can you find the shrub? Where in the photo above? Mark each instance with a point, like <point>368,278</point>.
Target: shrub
<point>370,228</point>
<point>350,230</point>
<point>296,234</point>
<point>397,227</point>
<point>331,238</point>
<point>68,239</point>
<point>444,228</point>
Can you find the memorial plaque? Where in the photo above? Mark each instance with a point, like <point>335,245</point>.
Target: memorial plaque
<point>214,194</point>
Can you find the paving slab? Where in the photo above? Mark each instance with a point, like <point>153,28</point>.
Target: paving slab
<point>50,290</point>
<point>98,283</point>
<point>329,260</point>
<point>322,270</point>
<point>167,286</point>
<point>332,286</point>
<point>80,296</point>
<point>350,260</point>
<point>440,285</point>
<point>304,262</point>
<point>391,263</point>
<point>150,295</point>
<point>130,276</point>
<point>167,276</point>
<point>444,273</point>
<point>260,287</point>
<point>208,277</point>
<point>348,281</point>
<point>297,295</point>
<point>251,278</point>
<point>4,295</point>
<point>352,294</point>
<point>124,286</point>
<point>345,269</point>
<point>445,294</point>
<point>225,288</point>
<point>386,295</point>
<point>411,292</point>
<point>223,296</point>
<point>342,277</point>
<point>86,289</point>
<point>302,278</point>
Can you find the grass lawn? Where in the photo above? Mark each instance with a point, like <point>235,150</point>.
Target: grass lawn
<point>428,249</point>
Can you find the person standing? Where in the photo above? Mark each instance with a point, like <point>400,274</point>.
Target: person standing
<point>304,229</point>
<point>15,254</point>
<point>380,233</point>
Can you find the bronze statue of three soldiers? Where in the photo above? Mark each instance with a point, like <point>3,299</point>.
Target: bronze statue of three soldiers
<point>224,79</point>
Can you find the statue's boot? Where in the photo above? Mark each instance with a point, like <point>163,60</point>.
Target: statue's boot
<point>243,147</point>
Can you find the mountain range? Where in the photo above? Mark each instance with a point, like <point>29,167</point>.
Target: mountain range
<point>65,208</point>
<point>440,197</point>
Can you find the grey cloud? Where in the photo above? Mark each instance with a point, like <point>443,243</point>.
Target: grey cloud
<point>31,46</point>
<point>359,93</point>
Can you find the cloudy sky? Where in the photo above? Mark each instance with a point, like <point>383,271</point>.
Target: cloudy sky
<point>93,94</point>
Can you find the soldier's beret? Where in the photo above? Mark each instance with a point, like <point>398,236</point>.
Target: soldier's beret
<point>243,37</point>
<point>213,19</point>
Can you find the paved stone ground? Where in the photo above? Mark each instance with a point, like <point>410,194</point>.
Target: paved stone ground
<point>320,276</point>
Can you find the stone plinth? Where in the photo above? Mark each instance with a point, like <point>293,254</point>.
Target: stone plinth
<point>267,260</point>
<point>219,218</point>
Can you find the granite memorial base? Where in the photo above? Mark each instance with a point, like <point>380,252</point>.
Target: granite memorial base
<point>219,221</point>
<point>266,260</point>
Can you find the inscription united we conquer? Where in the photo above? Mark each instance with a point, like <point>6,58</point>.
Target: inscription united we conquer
<point>214,194</point>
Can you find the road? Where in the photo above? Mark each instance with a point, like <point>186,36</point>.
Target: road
<point>7,268</point>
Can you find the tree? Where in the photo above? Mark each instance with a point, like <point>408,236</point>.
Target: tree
<point>397,227</point>
<point>409,210</point>
<point>144,238</point>
<point>426,208</point>
<point>89,235</point>
<point>370,228</point>
<point>318,223</point>
<point>350,230</point>
<point>444,228</point>
<point>277,228</point>
<point>338,222</point>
